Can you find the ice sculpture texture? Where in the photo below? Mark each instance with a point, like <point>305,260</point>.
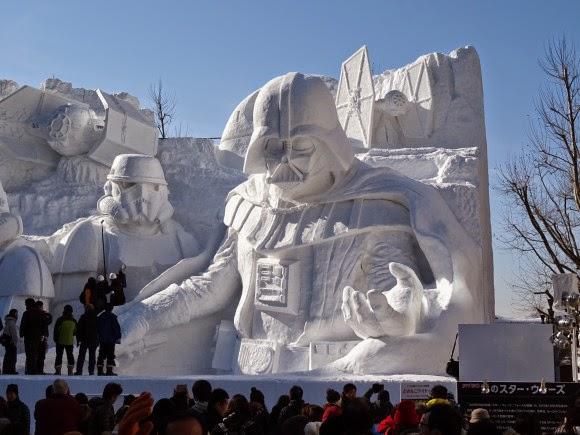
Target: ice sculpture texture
<point>356,244</point>
<point>333,264</point>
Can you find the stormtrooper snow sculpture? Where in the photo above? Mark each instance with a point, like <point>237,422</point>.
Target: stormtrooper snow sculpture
<point>23,272</point>
<point>133,227</point>
<point>325,256</point>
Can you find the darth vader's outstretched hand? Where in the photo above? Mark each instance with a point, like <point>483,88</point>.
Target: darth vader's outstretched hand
<point>134,328</point>
<point>378,313</point>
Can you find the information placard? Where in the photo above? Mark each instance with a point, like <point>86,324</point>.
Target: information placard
<point>505,401</point>
<point>416,391</point>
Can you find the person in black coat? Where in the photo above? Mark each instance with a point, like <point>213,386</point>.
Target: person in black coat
<point>31,329</point>
<point>383,407</point>
<point>101,291</point>
<point>109,334</point>
<point>17,411</point>
<point>43,348</point>
<point>87,339</point>
<point>238,419</point>
<point>294,407</point>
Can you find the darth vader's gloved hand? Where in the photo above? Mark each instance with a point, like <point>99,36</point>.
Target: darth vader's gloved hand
<point>395,312</point>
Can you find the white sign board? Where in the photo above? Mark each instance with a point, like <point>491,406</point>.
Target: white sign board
<point>506,352</point>
<point>416,390</point>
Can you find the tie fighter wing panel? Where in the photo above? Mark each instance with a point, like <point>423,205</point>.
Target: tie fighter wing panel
<point>21,113</point>
<point>127,130</point>
<point>355,98</point>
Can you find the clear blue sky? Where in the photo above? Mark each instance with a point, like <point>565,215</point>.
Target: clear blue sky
<point>212,53</point>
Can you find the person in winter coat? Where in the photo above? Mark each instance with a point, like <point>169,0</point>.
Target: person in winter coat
<point>332,406</point>
<point>31,329</point>
<point>103,413</point>
<point>58,414</point>
<point>201,392</point>
<point>10,348</point>
<point>404,420</point>
<point>238,419</point>
<point>118,284</point>
<point>282,403</point>
<point>86,412</point>
<point>258,409</point>
<point>348,395</point>
<point>294,407</point>
<point>480,423</point>
<point>87,296</point>
<point>217,407</point>
<point>439,396</point>
<point>43,347</point>
<point>101,291</point>
<point>65,330</point>
<point>109,332</point>
<point>17,412</point>
<point>383,407</point>
<point>127,400</point>
<point>87,339</point>
<point>3,414</point>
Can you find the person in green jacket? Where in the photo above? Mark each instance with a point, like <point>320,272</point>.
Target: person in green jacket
<point>65,330</point>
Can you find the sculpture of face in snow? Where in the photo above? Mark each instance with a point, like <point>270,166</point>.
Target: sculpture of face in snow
<point>140,202</point>
<point>297,168</point>
<point>73,130</point>
<point>10,225</point>
<point>297,142</point>
<point>136,191</point>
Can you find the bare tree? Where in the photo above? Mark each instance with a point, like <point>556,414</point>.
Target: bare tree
<point>163,107</point>
<point>541,187</point>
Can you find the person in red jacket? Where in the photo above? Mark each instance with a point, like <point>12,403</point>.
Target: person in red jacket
<point>332,407</point>
<point>405,419</point>
<point>58,414</point>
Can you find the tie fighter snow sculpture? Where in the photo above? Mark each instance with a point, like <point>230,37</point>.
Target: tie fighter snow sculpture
<point>401,113</point>
<point>41,126</point>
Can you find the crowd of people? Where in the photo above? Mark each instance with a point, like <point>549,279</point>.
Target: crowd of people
<point>96,328</point>
<point>205,410</point>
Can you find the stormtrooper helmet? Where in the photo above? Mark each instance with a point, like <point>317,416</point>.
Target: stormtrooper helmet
<point>136,191</point>
<point>136,168</point>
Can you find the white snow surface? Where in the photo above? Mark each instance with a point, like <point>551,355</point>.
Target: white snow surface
<point>197,188</point>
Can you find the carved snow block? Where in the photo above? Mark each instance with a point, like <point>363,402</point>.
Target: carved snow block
<point>277,286</point>
<point>256,357</point>
<point>225,345</point>
<point>324,352</point>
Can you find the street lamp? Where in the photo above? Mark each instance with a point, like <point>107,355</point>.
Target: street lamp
<point>566,329</point>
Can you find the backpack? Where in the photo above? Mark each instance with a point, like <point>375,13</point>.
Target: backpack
<point>5,340</point>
